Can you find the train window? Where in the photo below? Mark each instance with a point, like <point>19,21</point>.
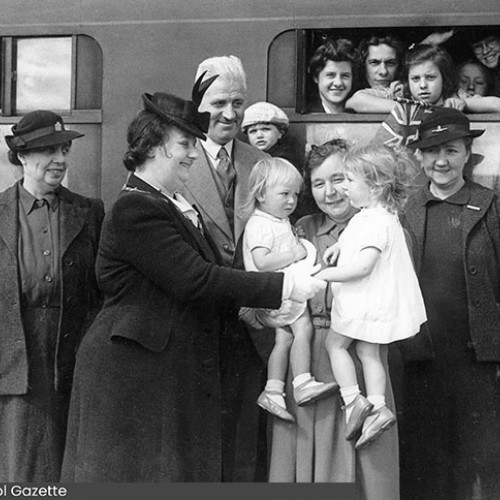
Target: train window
<point>61,73</point>
<point>291,84</point>
<point>43,74</point>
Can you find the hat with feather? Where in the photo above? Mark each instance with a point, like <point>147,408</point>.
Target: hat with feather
<point>181,113</point>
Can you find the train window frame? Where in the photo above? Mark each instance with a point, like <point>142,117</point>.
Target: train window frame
<point>305,41</point>
<point>83,47</point>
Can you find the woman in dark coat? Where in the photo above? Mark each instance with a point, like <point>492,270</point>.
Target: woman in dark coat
<point>147,397</point>
<point>450,425</point>
<point>48,296</point>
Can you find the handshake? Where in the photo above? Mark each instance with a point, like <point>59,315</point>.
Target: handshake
<point>299,284</point>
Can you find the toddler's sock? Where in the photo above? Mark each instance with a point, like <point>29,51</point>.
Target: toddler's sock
<point>349,394</point>
<point>377,401</point>
<point>275,389</point>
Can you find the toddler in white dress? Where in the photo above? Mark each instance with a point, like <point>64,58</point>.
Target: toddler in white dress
<point>271,244</point>
<point>377,298</point>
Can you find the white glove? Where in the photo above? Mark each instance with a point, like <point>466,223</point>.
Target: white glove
<point>300,284</point>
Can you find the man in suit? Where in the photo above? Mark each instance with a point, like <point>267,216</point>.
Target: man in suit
<point>220,205</point>
<point>218,186</point>
<point>48,296</point>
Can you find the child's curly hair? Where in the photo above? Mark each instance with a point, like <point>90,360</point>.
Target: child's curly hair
<point>390,171</point>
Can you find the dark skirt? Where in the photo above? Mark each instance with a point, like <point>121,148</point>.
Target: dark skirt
<point>33,425</point>
<point>451,430</point>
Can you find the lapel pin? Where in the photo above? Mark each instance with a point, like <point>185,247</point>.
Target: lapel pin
<point>439,129</point>
<point>473,207</point>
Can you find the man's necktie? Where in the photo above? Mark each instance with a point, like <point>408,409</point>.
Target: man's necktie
<point>225,169</point>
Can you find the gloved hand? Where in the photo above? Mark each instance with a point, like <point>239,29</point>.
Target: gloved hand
<point>300,284</point>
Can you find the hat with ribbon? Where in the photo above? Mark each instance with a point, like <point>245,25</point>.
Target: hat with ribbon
<point>443,125</point>
<point>39,129</point>
<point>181,113</point>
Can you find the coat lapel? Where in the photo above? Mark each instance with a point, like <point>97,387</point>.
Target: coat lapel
<point>415,216</point>
<point>474,211</point>
<point>201,191</point>
<point>243,166</point>
<point>8,218</point>
<point>72,218</point>
<point>203,244</point>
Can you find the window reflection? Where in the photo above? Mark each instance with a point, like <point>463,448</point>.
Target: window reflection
<point>43,74</point>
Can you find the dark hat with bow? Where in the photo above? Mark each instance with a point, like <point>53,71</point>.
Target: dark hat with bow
<point>181,113</point>
<point>443,125</point>
<point>39,129</point>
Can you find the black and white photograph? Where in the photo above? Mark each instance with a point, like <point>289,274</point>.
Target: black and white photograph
<point>250,249</point>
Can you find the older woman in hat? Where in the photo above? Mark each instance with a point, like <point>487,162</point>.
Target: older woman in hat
<point>450,430</point>
<point>148,396</point>
<point>314,449</point>
<point>48,295</point>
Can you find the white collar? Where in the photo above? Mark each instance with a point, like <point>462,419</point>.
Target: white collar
<point>176,198</point>
<point>325,107</point>
<point>212,149</point>
<point>186,209</point>
<point>181,203</point>
<point>261,213</point>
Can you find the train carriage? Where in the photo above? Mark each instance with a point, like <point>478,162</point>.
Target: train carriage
<point>90,60</point>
